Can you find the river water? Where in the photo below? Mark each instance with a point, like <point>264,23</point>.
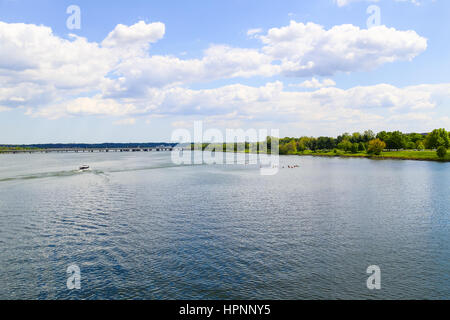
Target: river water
<point>140,227</point>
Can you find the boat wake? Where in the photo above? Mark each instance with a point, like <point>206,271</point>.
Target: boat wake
<point>62,174</point>
<point>57,174</point>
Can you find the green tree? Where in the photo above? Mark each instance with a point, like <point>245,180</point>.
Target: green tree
<point>304,143</point>
<point>291,147</point>
<point>325,143</point>
<point>376,146</point>
<point>410,145</point>
<point>441,152</point>
<point>356,137</point>
<point>312,144</point>
<point>345,145</point>
<point>383,136</point>
<point>361,147</point>
<point>368,135</point>
<point>396,140</point>
<point>345,136</point>
<point>420,146</point>
<point>414,137</point>
<point>437,138</point>
<point>301,146</point>
<point>269,143</point>
<point>355,147</point>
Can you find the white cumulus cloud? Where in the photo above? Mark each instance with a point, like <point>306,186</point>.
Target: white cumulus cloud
<point>310,49</point>
<point>137,36</point>
<point>315,84</point>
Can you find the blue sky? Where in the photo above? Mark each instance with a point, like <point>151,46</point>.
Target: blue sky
<point>173,62</point>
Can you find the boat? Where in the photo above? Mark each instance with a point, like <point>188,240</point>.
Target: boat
<point>84,168</point>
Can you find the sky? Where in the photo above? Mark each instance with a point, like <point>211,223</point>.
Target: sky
<point>136,70</point>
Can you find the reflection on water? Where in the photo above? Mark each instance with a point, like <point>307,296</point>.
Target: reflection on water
<point>139,226</point>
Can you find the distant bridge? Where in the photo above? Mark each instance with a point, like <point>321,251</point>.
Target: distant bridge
<point>91,150</point>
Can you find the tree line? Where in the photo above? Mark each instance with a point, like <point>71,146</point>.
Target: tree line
<point>369,142</point>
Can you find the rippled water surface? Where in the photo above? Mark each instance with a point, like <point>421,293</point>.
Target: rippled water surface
<point>140,227</point>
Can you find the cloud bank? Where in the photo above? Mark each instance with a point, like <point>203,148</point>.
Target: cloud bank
<point>52,77</point>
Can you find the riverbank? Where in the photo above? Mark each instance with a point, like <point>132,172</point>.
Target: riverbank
<point>425,155</point>
<point>9,150</point>
<point>396,155</point>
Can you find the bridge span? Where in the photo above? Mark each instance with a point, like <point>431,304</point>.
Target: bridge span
<point>90,150</point>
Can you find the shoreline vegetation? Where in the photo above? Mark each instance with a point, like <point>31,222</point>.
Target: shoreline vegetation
<point>9,149</point>
<point>425,155</point>
<point>384,145</point>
